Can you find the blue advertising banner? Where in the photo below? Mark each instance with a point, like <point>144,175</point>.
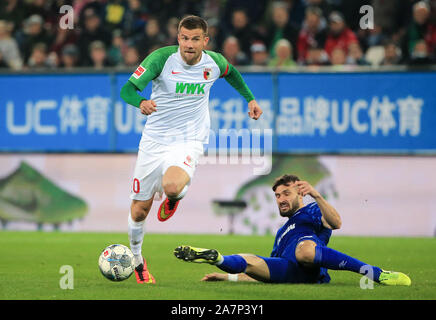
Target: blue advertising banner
<point>55,112</point>
<point>84,113</point>
<point>356,112</point>
<point>307,112</point>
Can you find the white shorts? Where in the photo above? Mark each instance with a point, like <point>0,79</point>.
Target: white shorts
<point>153,161</point>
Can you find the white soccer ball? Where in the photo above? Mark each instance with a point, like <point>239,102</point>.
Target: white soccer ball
<point>116,262</point>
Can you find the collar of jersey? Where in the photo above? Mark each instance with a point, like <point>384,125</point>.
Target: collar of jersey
<point>299,210</point>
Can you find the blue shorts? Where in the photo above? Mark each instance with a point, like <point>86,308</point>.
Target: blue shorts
<point>288,270</point>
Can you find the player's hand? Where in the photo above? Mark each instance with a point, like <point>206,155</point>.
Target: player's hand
<point>215,277</point>
<point>147,107</point>
<point>254,110</point>
<point>305,188</point>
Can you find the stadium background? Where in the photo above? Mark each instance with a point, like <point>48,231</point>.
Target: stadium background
<point>352,112</point>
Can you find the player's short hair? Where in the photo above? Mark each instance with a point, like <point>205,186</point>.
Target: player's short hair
<point>193,22</point>
<point>285,179</point>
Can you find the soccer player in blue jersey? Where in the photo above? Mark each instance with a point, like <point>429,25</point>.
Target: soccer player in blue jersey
<point>300,253</point>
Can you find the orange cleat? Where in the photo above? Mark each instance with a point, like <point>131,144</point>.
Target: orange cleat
<point>167,209</point>
<point>142,274</point>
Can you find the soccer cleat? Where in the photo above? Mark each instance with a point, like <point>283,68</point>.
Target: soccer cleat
<point>167,209</point>
<point>142,274</point>
<point>392,278</point>
<point>198,255</point>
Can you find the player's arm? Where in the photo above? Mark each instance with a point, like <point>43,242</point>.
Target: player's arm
<point>227,277</point>
<point>148,70</point>
<point>129,93</point>
<point>330,217</point>
<point>234,78</point>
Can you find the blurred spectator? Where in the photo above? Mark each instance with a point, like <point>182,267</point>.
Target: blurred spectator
<point>393,54</point>
<point>215,35</point>
<point>151,38</point>
<point>339,34</point>
<point>115,11</point>
<point>242,30</point>
<point>14,12</point>
<point>316,56</point>
<point>375,36</point>
<point>42,9</point>
<point>420,54</point>
<point>63,37</point>
<point>83,7</point>
<point>232,52</point>
<point>38,7</point>
<point>211,9</point>
<point>355,55</point>
<point>254,10</point>
<point>325,6</point>
<point>92,31</point>
<point>97,52</point>
<point>123,25</point>
<point>131,57</point>
<point>421,28</point>
<point>283,56</point>
<point>9,52</point>
<point>53,60</point>
<point>312,34</point>
<point>117,49</point>
<point>69,57</point>
<point>387,15</point>
<point>134,18</point>
<point>38,58</point>
<point>259,54</point>
<point>338,56</point>
<point>172,31</point>
<point>280,27</point>
<point>33,33</point>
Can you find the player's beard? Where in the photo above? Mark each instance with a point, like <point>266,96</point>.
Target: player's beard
<point>191,58</point>
<point>294,206</point>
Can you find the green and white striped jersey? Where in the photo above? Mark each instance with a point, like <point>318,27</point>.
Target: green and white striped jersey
<point>181,93</point>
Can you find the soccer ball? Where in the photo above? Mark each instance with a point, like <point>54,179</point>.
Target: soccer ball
<point>116,262</point>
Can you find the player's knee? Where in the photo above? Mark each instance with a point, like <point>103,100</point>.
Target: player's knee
<point>171,189</point>
<point>139,210</point>
<point>249,259</point>
<point>305,252</point>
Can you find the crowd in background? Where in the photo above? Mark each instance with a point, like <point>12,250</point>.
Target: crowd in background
<point>284,33</point>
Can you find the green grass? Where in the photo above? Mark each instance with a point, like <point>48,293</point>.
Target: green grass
<point>30,263</point>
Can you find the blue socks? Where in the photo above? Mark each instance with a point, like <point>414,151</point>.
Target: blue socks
<point>233,264</point>
<point>335,260</point>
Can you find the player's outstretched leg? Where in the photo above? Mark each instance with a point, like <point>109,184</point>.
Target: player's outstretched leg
<point>308,253</point>
<point>253,266</point>
<point>138,212</point>
<point>174,183</point>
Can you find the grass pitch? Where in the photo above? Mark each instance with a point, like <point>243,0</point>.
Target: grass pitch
<point>30,265</point>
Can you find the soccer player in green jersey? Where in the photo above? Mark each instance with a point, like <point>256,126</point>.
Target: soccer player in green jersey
<point>177,126</point>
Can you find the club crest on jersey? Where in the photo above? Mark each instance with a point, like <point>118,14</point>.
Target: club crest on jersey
<point>207,73</point>
<point>138,72</point>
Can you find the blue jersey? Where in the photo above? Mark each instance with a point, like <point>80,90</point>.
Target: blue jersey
<point>305,222</point>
